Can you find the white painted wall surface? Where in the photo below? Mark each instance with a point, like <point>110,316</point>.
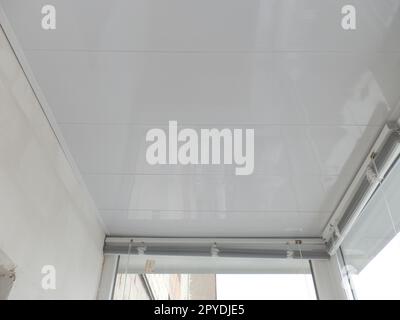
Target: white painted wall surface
<point>45,216</point>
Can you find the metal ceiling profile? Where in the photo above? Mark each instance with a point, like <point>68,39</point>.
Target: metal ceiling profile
<point>384,153</point>
<point>307,248</point>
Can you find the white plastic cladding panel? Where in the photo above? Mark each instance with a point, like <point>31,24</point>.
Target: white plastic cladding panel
<point>315,94</point>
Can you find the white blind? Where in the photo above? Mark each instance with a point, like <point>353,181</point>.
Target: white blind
<point>377,225</point>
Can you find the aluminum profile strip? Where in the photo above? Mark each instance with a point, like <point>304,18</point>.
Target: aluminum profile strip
<point>360,196</point>
<point>381,158</point>
<point>308,248</point>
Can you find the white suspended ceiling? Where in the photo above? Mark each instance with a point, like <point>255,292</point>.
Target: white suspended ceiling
<point>316,95</point>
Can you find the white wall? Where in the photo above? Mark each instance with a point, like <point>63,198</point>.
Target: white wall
<point>46,218</point>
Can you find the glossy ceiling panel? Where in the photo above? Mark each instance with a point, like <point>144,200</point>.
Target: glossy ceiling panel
<point>291,150</point>
<point>211,224</point>
<point>222,88</point>
<point>191,193</point>
<point>316,95</point>
<point>207,25</point>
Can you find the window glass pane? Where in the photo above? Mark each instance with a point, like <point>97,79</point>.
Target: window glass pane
<point>130,287</point>
<point>165,286</point>
<point>265,287</point>
<point>371,250</point>
<point>281,279</point>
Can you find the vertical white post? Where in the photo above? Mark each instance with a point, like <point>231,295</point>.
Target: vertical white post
<point>328,279</point>
<point>107,281</point>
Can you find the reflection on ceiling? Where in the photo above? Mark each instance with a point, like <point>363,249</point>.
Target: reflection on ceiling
<point>316,96</point>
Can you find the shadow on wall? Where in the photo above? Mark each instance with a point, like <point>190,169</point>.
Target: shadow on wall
<point>7,275</point>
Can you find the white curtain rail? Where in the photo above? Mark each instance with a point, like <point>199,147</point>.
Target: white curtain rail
<point>304,248</point>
